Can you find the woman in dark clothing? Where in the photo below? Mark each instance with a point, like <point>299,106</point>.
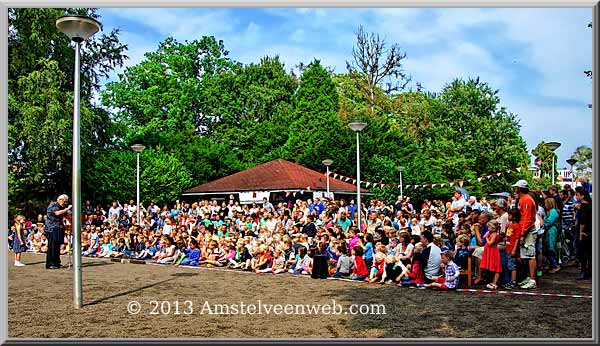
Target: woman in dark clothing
<point>584,224</point>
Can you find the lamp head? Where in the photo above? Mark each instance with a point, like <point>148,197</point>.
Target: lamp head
<point>552,145</point>
<point>357,126</point>
<point>327,162</point>
<point>78,28</point>
<point>138,148</point>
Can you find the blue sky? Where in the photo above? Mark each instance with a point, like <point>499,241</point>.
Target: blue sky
<point>535,57</point>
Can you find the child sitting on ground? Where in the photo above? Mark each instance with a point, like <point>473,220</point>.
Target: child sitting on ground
<point>192,253</point>
<point>360,271</point>
<point>278,262</point>
<point>378,269</point>
<point>344,263</point>
<point>451,273</point>
<point>415,276</point>
<point>302,262</point>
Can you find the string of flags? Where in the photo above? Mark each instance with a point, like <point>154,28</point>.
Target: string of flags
<point>460,183</point>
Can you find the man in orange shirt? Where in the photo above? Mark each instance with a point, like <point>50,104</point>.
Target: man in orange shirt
<point>528,210</point>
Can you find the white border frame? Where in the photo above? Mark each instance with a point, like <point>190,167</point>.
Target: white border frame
<point>5,4</point>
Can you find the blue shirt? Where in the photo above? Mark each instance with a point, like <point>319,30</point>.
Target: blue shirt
<point>193,254</point>
<point>352,210</point>
<point>368,251</point>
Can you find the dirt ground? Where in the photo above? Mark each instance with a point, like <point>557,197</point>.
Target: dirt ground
<point>40,306</point>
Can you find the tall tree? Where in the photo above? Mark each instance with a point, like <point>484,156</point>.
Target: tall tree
<point>583,166</point>
<point>40,80</point>
<point>544,158</point>
<point>376,67</point>
<point>162,176</point>
<point>160,100</point>
<point>253,107</point>
<point>317,132</point>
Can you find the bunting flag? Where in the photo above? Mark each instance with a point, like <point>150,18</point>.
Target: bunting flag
<point>287,194</point>
<point>382,185</point>
<point>308,188</point>
<point>295,194</point>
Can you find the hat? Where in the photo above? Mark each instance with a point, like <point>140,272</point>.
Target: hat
<point>521,183</point>
<point>394,240</point>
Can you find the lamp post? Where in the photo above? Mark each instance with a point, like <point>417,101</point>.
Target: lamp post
<point>552,146</point>
<point>572,162</point>
<point>358,126</point>
<point>79,29</point>
<point>400,169</point>
<point>327,163</point>
<point>138,148</point>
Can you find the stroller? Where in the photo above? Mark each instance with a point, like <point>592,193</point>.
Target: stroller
<point>564,246</point>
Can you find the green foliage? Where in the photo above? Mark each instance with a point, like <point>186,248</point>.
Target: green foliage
<point>317,132</point>
<point>162,176</point>
<point>583,166</point>
<point>40,110</point>
<point>545,156</point>
<point>252,107</point>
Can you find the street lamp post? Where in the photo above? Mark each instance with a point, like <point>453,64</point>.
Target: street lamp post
<point>79,29</point>
<point>138,148</point>
<point>400,169</point>
<point>358,126</point>
<point>552,146</point>
<point>572,162</point>
<point>327,163</point>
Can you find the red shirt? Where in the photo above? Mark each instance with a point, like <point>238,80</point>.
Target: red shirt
<point>360,267</point>
<point>416,274</point>
<point>528,211</point>
<point>513,232</point>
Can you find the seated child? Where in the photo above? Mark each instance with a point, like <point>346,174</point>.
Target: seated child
<point>344,263</point>
<point>360,271</point>
<point>215,255</point>
<point>242,260</point>
<point>414,276</point>
<point>462,251</point>
<point>107,246</point>
<point>192,253</point>
<point>278,262</point>
<point>262,263</point>
<point>117,251</point>
<point>451,273</point>
<point>302,262</point>
<point>378,269</point>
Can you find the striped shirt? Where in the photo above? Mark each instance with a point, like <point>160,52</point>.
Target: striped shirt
<point>451,276</point>
<point>567,215</point>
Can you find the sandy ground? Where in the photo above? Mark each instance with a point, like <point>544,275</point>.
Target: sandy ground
<point>40,306</point>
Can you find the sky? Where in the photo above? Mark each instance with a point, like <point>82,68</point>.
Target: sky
<point>535,57</point>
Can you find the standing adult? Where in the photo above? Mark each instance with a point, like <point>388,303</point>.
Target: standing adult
<point>55,230</point>
<point>528,209</point>
<point>458,205</point>
<point>584,222</point>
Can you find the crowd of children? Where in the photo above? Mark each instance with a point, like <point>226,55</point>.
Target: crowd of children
<point>397,243</point>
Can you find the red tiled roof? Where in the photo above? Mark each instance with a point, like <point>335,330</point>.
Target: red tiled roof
<point>275,175</point>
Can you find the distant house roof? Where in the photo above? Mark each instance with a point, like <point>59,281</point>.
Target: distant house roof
<point>275,175</point>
